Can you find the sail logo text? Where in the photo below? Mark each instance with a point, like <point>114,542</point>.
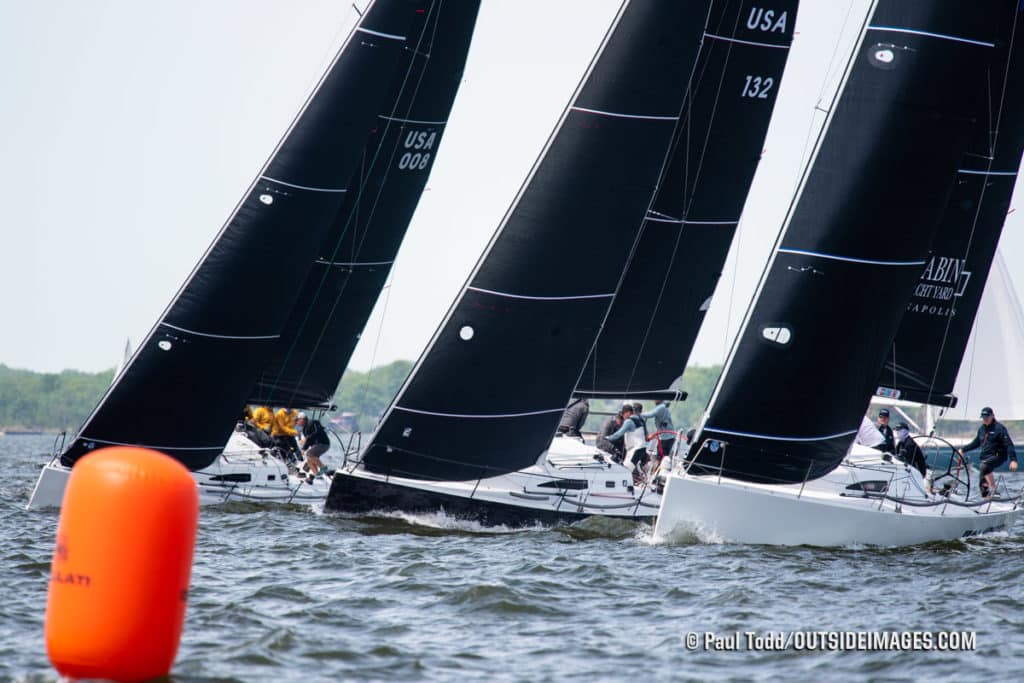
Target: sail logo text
<point>943,279</point>
<point>419,145</point>
<point>766,20</point>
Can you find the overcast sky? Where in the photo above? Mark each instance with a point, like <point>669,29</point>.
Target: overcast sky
<point>129,130</point>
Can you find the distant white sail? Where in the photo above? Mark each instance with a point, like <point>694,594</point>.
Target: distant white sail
<point>125,357</point>
<point>992,373</point>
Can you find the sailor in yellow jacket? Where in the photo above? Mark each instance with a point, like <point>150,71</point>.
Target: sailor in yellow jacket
<point>283,431</point>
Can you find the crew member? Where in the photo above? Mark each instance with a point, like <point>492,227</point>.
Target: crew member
<point>889,445</point>
<point>283,432</point>
<point>574,417</point>
<point>907,449</point>
<point>996,446</point>
<point>665,430</point>
<point>611,427</point>
<point>314,442</point>
<point>631,421</point>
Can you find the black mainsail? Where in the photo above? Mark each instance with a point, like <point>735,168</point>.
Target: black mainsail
<point>188,381</point>
<point>665,293</point>
<point>486,396</point>
<point>354,261</point>
<point>925,358</point>
<point>804,365</point>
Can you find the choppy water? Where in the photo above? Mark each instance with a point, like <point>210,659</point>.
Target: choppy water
<point>291,594</point>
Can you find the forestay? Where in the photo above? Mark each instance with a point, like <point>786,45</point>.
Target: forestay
<point>486,396</point>
<point>925,358</point>
<point>189,379</point>
<point>667,288</point>
<point>804,366</point>
<point>353,262</point>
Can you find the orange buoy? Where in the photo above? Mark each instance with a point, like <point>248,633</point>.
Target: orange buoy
<point>120,572</point>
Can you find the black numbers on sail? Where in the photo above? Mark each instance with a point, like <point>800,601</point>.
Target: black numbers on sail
<point>757,87</point>
<point>418,144</point>
<point>767,20</point>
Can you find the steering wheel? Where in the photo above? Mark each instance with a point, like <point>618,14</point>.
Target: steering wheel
<point>957,468</point>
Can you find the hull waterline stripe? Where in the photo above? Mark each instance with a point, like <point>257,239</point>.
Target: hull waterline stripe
<point>849,259</point>
<point>325,262</point>
<point>146,445</point>
<point>929,34</point>
<point>390,36</point>
<point>480,417</point>
<point>780,438</point>
<point>541,298</point>
<point>425,123</point>
<point>625,116</point>
<point>303,187</point>
<point>221,336</point>
<point>745,42</point>
<point>973,172</point>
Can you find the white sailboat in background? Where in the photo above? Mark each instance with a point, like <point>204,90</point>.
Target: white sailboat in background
<point>992,373</point>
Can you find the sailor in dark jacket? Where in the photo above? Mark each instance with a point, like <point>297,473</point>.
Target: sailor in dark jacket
<point>573,418</point>
<point>996,447</point>
<point>908,451</point>
<point>883,426</point>
<point>612,426</point>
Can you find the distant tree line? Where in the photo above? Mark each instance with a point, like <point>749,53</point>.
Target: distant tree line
<point>48,401</point>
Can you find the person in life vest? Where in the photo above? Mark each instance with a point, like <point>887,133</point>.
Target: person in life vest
<point>889,445</point>
<point>664,428</point>
<point>612,426</point>
<point>632,444</point>
<point>283,432</point>
<point>907,449</point>
<point>574,417</point>
<point>313,443</point>
<point>996,446</point>
<point>255,433</point>
<point>263,418</point>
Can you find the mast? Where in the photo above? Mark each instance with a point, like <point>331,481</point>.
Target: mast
<point>486,396</point>
<point>925,357</point>
<point>686,235</point>
<point>803,367</point>
<point>354,261</point>
<point>186,385</point>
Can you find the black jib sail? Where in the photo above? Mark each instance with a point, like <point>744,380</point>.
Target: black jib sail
<point>486,396</point>
<point>355,259</point>
<point>665,293</point>
<point>925,358</point>
<point>188,381</point>
<point>804,365</point>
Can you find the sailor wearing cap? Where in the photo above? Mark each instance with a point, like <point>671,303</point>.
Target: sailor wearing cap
<point>883,426</point>
<point>996,447</point>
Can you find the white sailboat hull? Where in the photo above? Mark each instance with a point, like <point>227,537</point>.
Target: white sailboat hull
<point>241,473</point>
<point>818,513</point>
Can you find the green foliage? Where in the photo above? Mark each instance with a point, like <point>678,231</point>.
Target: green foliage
<point>49,401</point>
<point>368,394</point>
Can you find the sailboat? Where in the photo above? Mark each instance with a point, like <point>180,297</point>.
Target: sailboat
<point>208,351</point>
<point>767,467</point>
<point>470,432</point>
<point>994,359</point>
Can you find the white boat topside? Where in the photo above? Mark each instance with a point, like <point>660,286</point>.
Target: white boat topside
<point>864,501</point>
